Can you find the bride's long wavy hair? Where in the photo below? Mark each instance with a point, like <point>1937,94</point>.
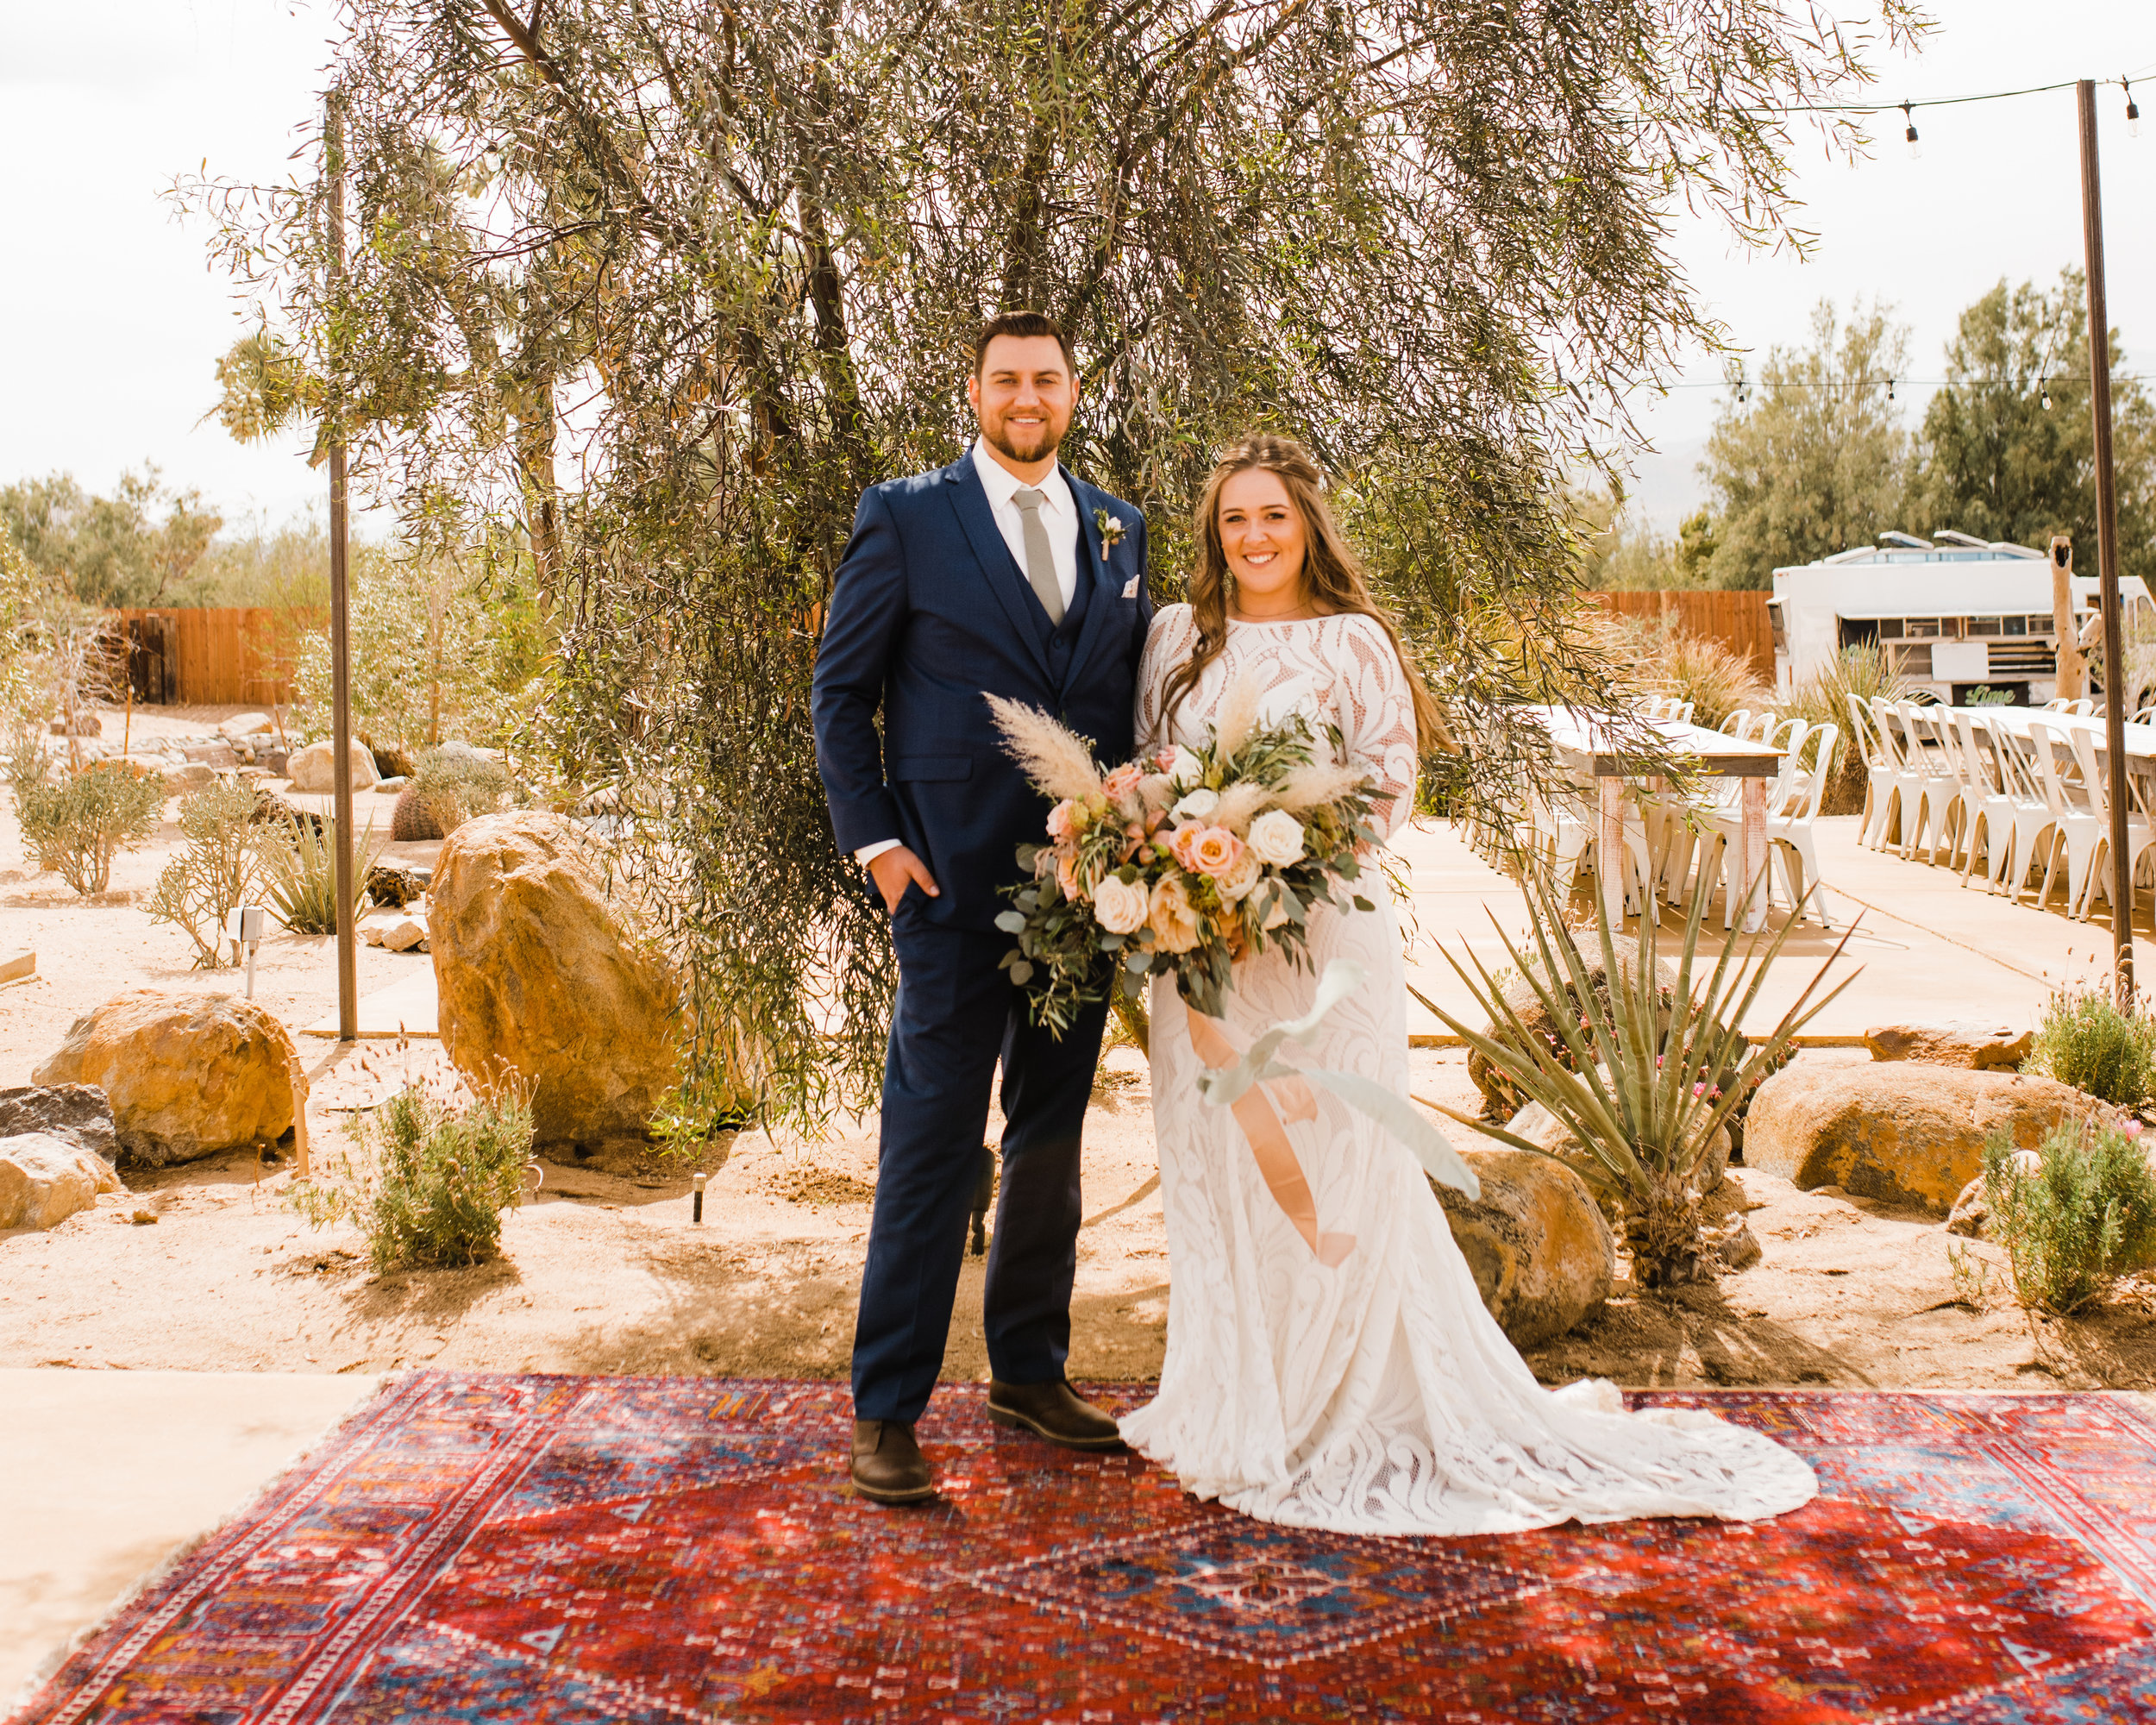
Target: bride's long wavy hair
<point>1332,574</point>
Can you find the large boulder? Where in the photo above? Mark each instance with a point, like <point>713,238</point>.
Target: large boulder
<point>314,768</point>
<point>1902,1132</point>
<point>541,973</point>
<point>44,1179</point>
<point>187,1074</point>
<point>1542,1256</point>
<point>81,1113</point>
<point>1959,1042</point>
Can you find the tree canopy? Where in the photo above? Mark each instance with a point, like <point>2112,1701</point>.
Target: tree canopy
<point>671,282</point>
<point>1997,462</point>
<point>1815,463</point>
<point>137,547</point>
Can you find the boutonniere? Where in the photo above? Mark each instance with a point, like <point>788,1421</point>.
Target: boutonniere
<point>1111,527</point>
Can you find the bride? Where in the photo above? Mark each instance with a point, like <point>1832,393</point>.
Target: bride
<point>1345,1375</point>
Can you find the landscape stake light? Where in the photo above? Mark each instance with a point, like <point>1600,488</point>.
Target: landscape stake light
<point>246,928</point>
<point>696,1203</point>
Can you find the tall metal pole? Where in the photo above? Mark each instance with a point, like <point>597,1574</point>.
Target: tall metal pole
<point>340,606</point>
<point>2106,550</point>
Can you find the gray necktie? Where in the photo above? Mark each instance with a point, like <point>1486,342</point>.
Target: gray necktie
<point>1040,559</point>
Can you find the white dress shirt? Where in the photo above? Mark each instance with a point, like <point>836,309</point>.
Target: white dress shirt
<point>1059,514</point>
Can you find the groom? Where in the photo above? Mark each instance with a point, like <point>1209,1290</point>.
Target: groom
<point>1003,573</point>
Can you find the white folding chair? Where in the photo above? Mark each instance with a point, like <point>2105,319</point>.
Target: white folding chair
<point>1878,768</point>
<point>2141,835</point>
<point>2077,831</point>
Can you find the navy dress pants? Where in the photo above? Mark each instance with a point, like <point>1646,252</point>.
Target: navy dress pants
<point>957,1013</point>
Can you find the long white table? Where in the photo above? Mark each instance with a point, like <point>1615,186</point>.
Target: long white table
<point>1592,749</point>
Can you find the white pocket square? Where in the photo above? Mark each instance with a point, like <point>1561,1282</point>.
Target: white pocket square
<point>1130,587</point>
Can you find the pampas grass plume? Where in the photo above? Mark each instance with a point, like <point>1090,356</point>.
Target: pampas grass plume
<point>1241,804</point>
<point>1054,759</point>
<point>1238,713</point>
<point>1317,784</point>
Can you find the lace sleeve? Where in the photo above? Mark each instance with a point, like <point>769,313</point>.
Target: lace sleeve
<point>1377,717</point>
<point>1167,644</point>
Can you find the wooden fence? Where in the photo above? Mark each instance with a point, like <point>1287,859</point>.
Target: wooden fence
<point>1740,621</point>
<point>204,656</point>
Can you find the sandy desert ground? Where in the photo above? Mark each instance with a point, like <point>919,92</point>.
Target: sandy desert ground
<point>604,1272</point>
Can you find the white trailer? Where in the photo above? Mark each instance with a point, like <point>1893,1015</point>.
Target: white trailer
<point>1955,614</point>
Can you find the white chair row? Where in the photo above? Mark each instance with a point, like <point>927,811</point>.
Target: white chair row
<point>2022,798</point>
<point>1692,842</point>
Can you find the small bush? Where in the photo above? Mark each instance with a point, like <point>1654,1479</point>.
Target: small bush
<point>77,825</point>
<point>2085,1040</point>
<point>1823,699</point>
<point>299,872</point>
<point>211,877</point>
<point>426,1180</point>
<point>2083,1216</point>
<point>454,787</point>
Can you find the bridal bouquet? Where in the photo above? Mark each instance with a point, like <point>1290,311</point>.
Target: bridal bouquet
<point>1178,862</point>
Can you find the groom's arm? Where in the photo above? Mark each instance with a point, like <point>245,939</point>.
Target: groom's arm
<point>861,629</point>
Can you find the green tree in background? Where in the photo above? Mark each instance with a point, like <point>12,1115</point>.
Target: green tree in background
<point>1817,461</point>
<point>138,547</point>
<point>1996,463</point>
<point>747,245</point>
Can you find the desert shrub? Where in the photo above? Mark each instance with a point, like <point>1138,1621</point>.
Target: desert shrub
<point>426,1180</point>
<point>299,872</point>
<point>2081,1214</point>
<point>2084,1039</point>
<point>76,825</point>
<point>453,787</point>
<point>1656,658</point>
<point>1823,699</point>
<point>211,876</point>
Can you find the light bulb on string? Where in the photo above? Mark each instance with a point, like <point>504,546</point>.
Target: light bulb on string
<point>2133,112</point>
<point>2048,395</point>
<point>1909,132</point>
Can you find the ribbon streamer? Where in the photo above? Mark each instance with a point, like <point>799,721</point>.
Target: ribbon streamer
<point>1231,1084</point>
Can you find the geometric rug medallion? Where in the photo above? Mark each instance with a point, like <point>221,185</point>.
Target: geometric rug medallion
<point>527,1550</point>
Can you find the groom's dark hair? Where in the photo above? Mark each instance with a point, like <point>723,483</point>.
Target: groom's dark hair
<point>1022,323</point>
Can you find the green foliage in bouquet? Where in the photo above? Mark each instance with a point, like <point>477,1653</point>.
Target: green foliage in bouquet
<point>2083,1214</point>
<point>1179,864</point>
<point>1641,1074</point>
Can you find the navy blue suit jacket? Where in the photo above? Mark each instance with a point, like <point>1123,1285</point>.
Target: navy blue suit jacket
<point>930,612</point>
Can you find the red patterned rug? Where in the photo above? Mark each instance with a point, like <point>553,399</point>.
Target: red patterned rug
<point>569,1550</point>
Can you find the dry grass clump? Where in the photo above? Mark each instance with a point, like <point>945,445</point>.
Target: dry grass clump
<point>1823,699</point>
<point>1655,657</point>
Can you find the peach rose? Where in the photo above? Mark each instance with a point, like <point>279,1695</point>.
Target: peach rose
<point>1215,850</point>
<point>1059,821</point>
<point>1174,918</point>
<point>1123,782</point>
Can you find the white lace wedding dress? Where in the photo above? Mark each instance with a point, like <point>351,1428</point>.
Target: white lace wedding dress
<point>1379,1396</point>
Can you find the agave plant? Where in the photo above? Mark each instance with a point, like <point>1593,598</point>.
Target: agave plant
<point>300,877</point>
<point>1641,1074</point>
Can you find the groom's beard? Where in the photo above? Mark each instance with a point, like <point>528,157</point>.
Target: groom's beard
<point>1038,448</point>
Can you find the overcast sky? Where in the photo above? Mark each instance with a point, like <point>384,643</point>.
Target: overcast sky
<point>114,322</point>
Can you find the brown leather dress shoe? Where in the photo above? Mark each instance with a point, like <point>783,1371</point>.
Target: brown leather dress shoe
<point>888,1465</point>
<point>1053,1411</point>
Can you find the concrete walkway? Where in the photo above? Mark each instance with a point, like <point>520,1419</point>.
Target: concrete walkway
<point>1927,947</point>
<point>106,1476</point>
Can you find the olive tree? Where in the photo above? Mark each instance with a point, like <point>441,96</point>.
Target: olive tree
<point>670,282</point>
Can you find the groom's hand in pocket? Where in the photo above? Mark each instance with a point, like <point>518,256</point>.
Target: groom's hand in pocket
<point>894,871</point>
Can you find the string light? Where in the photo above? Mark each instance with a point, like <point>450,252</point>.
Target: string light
<point>1910,131</point>
<point>2048,395</point>
<point>2133,112</point>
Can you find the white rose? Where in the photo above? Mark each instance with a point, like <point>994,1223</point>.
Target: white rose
<point>1184,768</point>
<point>1276,837</point>
<point>1198,805</point>
<point>1235,885</point>
<point>1120,907</point>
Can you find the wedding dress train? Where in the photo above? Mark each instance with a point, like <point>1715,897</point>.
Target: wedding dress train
<point>1377,1397</point>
